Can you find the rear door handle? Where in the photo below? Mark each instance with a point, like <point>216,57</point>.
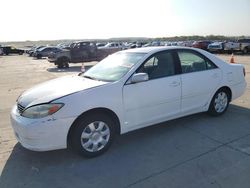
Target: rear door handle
<point>174,84</point>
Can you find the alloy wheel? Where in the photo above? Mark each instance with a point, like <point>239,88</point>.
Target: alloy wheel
<point>220,102</point>
<point>95,136</point>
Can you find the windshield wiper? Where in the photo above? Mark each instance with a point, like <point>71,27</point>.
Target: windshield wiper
<point>92,78</point>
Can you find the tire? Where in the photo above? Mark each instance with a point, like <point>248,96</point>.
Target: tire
<point>38,56</point>
<point>92,135</point>
<point>60,65</point>
<point>219,103</point>
<point>20,53</point>
<point>66,65</point>
<point>245,51</point>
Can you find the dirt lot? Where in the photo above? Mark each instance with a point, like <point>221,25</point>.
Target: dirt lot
<point>195,151</point>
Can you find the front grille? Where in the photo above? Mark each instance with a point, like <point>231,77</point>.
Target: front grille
<point>20,108</point>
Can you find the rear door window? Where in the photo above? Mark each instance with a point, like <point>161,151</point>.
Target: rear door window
<point>194,62</point>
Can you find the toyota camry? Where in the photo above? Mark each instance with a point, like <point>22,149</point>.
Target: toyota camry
<point>128,90</point>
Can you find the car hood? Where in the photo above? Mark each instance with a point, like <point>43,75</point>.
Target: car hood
<point>54,89</point>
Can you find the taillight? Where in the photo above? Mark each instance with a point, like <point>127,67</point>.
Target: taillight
<point>244,71</point>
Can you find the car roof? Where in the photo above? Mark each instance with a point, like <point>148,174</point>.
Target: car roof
<point>155,49</point>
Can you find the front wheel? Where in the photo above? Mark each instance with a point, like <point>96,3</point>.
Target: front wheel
<point>92,135</point>
<point>39,56</point>
<point>219,103</point>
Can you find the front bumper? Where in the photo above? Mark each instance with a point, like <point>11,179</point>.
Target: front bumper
<point>43,134</point>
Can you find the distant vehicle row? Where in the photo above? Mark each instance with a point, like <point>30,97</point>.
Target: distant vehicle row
<point>242,45</point>
<point>85,51</point>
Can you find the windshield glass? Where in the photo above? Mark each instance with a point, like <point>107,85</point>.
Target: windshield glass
<point>114,67</point>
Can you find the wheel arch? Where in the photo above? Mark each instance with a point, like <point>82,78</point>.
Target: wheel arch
<point>225,88</point>
<point>105,111</point>
<point>228,90</point>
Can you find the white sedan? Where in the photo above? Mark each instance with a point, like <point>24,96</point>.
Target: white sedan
<point>128,90</point>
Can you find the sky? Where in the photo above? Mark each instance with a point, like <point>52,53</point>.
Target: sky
<point>23,20</point>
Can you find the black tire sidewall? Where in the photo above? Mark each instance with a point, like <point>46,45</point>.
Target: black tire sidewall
<point>39,56</point>
<point>79,126</point>
<point>59,65</point>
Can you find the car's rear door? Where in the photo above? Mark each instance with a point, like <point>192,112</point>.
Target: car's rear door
<point>158,98</point>
<point>200,77</point>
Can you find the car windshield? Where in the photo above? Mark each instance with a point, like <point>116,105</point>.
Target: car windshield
<point>114,67</point>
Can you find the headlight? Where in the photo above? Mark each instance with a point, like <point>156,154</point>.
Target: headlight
<point>40,111</point>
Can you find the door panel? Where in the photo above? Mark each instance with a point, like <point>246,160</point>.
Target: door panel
<point>152,101</point>
<point>197,87</point>
<point>157,99</point>
<point>200,77</point>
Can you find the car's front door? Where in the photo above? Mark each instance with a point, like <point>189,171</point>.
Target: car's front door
<point>200,78</point>
<point>158,98</point>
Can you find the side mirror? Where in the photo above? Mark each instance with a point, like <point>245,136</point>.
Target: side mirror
<point>139,77</point>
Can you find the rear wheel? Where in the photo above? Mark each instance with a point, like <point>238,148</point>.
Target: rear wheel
<point>219,103</point>
<point>92,135</point>
<point>245,50</point>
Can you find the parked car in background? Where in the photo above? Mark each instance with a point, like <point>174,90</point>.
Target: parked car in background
<point>216,47</point>
<point>241,45</point>
<point>100,44</point>
<point>244,45</point>
<point>126,91</point>
<point>231,47</point>
<point>33,49</point>
<point>113,45</point>
<point>45,51</point>
<point>1,51</point>
<point>154,43</point>
<point>63,45</point>
<point>11,50</point>
<point>82,51</point>
<point>201,44</point>
<point>186,43</point>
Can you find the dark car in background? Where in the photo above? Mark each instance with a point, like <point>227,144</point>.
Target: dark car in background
<point>201,44</point>
<point>33,49</point>
<point>45,51</point>
<point>11,50</point>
